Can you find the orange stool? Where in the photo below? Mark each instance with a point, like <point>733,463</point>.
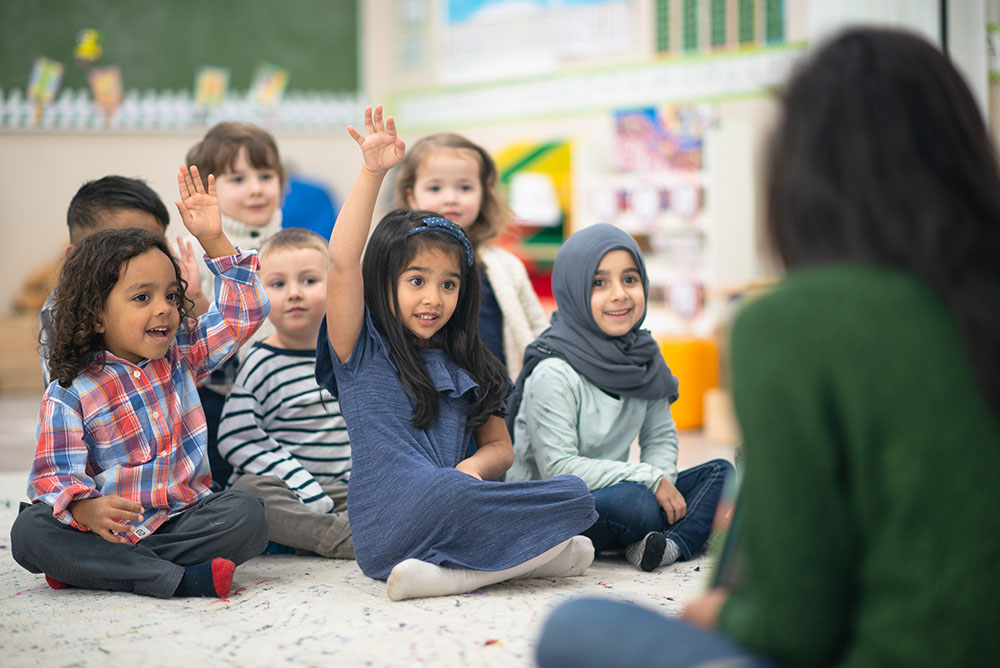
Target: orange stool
<point>695,363</point>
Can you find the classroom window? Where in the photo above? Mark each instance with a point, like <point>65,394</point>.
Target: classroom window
<point>689,18</point>
<point>718,22</point>
<point>662,25</point>
<point>746,32</point>
<point>774,21</point>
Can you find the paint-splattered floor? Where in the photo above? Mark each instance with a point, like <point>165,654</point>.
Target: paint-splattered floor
<point>300,611</point>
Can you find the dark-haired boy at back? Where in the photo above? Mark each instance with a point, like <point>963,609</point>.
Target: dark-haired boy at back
<point>112,203</point>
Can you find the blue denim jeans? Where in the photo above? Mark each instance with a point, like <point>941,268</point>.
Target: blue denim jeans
<point>599,633</point>
<point>628,511</point>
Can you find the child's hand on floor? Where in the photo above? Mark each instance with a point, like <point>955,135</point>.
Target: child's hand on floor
<point>671,501</point>
<point>381,148</point>
<point>106,515</point>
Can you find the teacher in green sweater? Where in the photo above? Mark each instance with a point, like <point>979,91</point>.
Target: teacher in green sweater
<point>867,386</point>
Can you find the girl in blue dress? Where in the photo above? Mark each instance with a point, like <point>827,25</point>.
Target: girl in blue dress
<point>403,355</point>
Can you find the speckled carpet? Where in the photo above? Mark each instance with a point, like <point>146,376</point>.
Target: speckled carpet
<point>300,611</point>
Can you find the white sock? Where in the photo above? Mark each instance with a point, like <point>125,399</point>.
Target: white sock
<point>574,559</point>
<point>412,578</point>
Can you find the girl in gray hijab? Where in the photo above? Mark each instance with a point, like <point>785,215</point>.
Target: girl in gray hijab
<point>593,382</point>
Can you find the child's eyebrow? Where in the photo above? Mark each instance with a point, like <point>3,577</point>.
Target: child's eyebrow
<point>148,285</point>
<point>427,270</point>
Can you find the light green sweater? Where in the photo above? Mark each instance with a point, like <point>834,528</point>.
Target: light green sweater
<point>566,424</point>
<point>869,505</point>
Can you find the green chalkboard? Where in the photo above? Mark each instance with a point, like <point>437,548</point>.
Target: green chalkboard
<point>160,44</point>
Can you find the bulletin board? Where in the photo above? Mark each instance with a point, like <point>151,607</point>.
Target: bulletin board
<point>160,44</point>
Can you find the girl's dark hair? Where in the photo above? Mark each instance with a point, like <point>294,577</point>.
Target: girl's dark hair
<point>389,251</point>
<point>494,214</point>
<point>85,281</point>
<point>217,151</point>
<point>883,157</point>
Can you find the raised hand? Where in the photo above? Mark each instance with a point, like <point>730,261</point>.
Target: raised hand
<point>106,515</point>
<point>381,148</point>
<point>199,208</point>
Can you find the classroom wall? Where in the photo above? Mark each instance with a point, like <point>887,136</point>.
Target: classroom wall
<point>41,170</point>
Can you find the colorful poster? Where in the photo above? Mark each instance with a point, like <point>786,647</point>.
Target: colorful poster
<point>43,83</point>
<point>106,88</point>
<point>210,86</point>
<point>269,83</point>
<point>648,140</point>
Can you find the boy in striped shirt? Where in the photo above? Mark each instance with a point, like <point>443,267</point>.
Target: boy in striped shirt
<point>282,433</point>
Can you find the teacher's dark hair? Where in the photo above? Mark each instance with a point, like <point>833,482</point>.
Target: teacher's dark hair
<point>882,156</point>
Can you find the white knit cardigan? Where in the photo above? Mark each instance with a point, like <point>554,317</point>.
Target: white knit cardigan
<point>523,316</point>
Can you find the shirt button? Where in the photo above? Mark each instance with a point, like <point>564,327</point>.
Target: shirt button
<point>156,414</point>
<point>159,485</point>
<point>137,374</point>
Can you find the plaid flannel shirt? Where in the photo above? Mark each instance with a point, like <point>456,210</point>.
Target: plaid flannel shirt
<point>138,430</point>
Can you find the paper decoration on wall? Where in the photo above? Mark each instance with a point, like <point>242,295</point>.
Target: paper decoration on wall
<point>89,46</point>
<point>106,88</point>
<point>269,83</point>
<point>43,83</point>
<point>645,203</point>
<point>533,199</point>
<point>640,134</point>
<point>648,140</point>
<point>685,297</point>
<point>603,201</point>
<point>686,200</point>
<point>537,246</point>
<point>210,86</point>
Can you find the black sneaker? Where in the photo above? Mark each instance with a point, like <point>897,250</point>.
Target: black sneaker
<point>647,553</point>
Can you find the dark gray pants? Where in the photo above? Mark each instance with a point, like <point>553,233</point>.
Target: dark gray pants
<point>228,524</point>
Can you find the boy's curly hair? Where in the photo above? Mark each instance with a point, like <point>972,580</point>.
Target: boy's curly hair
<point>85,281</point>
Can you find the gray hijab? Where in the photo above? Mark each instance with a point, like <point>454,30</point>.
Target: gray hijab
<point>629,365</point>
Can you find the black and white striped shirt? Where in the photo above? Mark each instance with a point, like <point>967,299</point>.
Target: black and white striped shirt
<point>278,421</point>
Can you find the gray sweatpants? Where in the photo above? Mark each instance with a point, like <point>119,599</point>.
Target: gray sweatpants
<point>228,524</point>
<point>293,524</point>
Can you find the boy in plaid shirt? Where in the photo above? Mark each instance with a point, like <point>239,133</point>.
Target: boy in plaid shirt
<point>120,481</point>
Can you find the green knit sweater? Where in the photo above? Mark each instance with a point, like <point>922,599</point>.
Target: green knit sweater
<point>869,507</point>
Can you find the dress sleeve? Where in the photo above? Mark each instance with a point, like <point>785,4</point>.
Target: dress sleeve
<point>59,471</point>
<point>552,411</point>
<point>245,443</point>
<point>798,543</point>
<point>239,308</point>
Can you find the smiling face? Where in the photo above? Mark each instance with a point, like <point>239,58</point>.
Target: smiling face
<point>295,282</point>
<point>249,194</point>
<point>140,316</point>
<point>427,291</point>
<point>448,183</point>
<point>617,299</point>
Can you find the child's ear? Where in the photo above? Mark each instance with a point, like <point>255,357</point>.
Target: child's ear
<point>411,201</point>
<point>99,326</point>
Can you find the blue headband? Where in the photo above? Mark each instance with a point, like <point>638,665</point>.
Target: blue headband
<point>438,224</point>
